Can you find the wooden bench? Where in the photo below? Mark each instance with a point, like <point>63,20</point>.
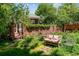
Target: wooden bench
<point>52,39</point>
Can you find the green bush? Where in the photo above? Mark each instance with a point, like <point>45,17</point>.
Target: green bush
<point>58,33</point>
<point>28,42</point>
<point>59,52</point>
<point>23,43</point>
<point>37,40</point>
<point>68,41</point>
<point>33,44</point>
<point>23,46</point>
<point>38,25</point>
<point>75,49</point>
<point>76,37</point>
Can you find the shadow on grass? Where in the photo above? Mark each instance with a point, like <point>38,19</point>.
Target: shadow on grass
<point>18,52</point>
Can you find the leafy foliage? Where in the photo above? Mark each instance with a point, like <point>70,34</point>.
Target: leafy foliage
<point>39,26</point>
<point>6,10</point>
<point>75,50</point>
<point>67,13</point>
<point>59,52</point>
<point>22,43</point>
<point>47,12</point>
<point>31,45</point>
<point>9,12</point>
<point>22,47</point>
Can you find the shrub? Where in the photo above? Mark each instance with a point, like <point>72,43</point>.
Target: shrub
<point>38,25</point>
<point>75,49</point>
<point>68,41</point>
<point>33,44</point>
<point>28,43</point>
<point>23,43</point>
<point>59,52</point>
<point>37,40</point>
<point>76,37</point>
<point>23,46</point>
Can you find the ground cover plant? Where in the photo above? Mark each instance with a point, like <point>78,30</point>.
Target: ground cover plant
<point>34,46</point>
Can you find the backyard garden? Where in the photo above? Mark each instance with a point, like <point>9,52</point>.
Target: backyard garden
<point>35,45</point>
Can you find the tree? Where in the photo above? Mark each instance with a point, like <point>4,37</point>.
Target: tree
<point>9,12</point>
<point>47,12</point>
<point>6,10</point>
<point>22,12</point>
<point>67,13</point>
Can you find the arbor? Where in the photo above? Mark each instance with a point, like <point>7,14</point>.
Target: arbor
<point>47,12</point>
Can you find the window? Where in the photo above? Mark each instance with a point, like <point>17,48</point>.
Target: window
<point>33,21</point>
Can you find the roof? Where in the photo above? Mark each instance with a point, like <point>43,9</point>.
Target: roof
<point>34,17</point>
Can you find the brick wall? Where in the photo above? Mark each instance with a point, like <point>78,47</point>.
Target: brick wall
<point>32,31</point>
<point>42,31</point>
